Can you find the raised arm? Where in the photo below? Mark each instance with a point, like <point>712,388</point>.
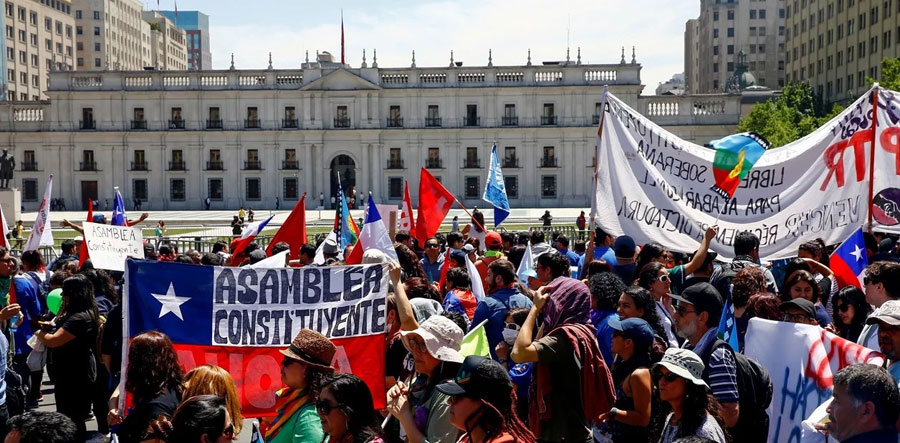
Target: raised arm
<point>700,256</point>
<point>404,308</point>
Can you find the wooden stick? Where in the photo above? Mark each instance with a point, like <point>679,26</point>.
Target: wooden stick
<point>470,214</point>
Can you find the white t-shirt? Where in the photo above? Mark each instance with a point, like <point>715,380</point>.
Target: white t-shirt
<point>473,233</point>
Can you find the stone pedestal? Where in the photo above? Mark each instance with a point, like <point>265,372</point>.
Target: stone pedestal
<point>11,202</point>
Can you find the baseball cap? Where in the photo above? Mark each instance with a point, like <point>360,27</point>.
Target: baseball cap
<point>711,256</point>
<point>636,329</point>
<point>889,312</point>
<point>458,256</point>
<point>703,296</point>
<point>468,249</point>
<point>624,247</point>
<point>802,304</point>
<point>492,238</point>
<point>481,378</point>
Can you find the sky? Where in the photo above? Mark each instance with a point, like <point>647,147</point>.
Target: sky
<point>433,28</point>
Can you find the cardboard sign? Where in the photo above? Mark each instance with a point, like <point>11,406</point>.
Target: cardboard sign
<point>109,245</point>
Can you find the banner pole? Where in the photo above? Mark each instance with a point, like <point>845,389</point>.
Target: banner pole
<point>872,157</point>
<point>594,210</point>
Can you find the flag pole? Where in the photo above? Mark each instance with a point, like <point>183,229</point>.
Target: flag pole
<point>872,156</point>
<point>596,178</point>
<point>470,214</point>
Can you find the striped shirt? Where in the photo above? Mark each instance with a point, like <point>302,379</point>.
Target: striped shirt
<point>721,374</point>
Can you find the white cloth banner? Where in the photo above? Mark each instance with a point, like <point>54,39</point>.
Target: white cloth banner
<point>41,234</point>
<point>886,189</point>
<point>109,246</point>
<point>802,361</point>
<point>278,260</point>
<point>655,187</point>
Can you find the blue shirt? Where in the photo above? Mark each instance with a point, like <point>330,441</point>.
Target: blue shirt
<point>433,270</point>
<point>602,252</point>
<point>493,309</point>
<point>27,298</point>
<point>574,258</point>
<point>604,333</point>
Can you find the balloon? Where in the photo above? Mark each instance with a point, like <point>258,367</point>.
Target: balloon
<point>54,299</point>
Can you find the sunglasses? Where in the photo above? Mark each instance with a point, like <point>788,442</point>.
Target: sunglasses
<point>668,377</point>
<point>682,310</point>
<point>512,326</point>
<point>663,278</point>
<point>843,308</point>
<point>229,431</point>
<point>430,246</point>
<point>324,407</point>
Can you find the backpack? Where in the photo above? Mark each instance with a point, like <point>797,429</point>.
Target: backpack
<point>722,279</point>
<point>754,395</point>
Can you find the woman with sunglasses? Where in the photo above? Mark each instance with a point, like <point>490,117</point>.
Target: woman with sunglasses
<point>347,411</point>
<point>202,419</point>
<point>628,420</point>
<point>654,277</point>
<point>850,312</point>
<point>482,402</point>
<point>636,302</point>
<point>679,382</point>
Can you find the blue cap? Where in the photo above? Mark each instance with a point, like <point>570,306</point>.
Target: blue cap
<point>636,329</point>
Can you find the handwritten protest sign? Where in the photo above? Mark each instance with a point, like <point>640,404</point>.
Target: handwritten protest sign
<point>109,245</point>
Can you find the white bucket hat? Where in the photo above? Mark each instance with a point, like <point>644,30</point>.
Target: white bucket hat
<point>683,363</point>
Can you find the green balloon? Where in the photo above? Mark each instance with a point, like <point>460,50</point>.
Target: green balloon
<point>54,299</point>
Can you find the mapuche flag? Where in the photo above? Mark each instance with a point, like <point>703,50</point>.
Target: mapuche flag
<point>239,319</point>
<point>735,157</point>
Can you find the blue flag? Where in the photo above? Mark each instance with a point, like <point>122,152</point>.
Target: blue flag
<point>118,215</point>
<point>728,327</point>
<point>495,189</point>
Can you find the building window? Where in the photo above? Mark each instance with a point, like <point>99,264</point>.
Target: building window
<point>509,157</point>
<point>216,189</point>
<point>252,162</point>
<point>716,49</point>
<point>549,158</point>
<point>731,14</point>
<point>715,33</point>
<point>730,49</point>
<point>549,115</point>
<point>548,186</point>
<point>96,30</point>
<point>731,32</point>
<point>471,117</point>
<point>139,189</point>
<point>253,189</point>
<point>29,190</point>
<point>290,159</point>
<point>342,117</point>
<point>395,120</point>
<point>395,187</point>
<point>176,189</point>
<point>472,188</point>
<point>471,160</point>
<point>434,158</point>
<point>512,186</point>
<point>290,117</point>
<point>291,189</point>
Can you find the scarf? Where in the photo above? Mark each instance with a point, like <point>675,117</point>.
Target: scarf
<point>287,402</point>
<point>570,303</point>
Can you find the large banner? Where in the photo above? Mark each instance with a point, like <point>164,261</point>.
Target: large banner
<point>657,187</point>
<point>802,361</point>
<point>239,319</point>
<point>886,189</point>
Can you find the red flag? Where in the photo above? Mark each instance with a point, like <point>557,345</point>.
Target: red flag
<point>435,202</point>
<point>83,253</point>
<point>342,36</point>
<point>293,230</point>
<point>444,270</point>
<point>406,212</point>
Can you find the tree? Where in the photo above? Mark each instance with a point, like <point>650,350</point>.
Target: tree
<point>890,74</point>
<point>794,114</point>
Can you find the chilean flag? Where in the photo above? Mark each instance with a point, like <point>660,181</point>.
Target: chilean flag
<point>374,235</point>
<point>247,235</point>
<point>850,260</point>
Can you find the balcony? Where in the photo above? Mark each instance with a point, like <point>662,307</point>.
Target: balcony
<point>511,162</point>
<point>342,122</point>
<point>548,120</point>
<point>548,162</point>
<point>395,164</point>
<point>290,164</point>
<point>432,122</point>
<point>395,122</point>
<point>595,119</point>
<point>214,124</point>
<point>251,123</point>
<point>29,166</point>
<point>139,124</point>
<point>87,125</point>
<point>215,165</point>
<point>87,166</point>
<point>510,121</point>
<point>177,165</point>
<point>290,123</point>
<point>434,163</point>
<point>139,166</point>
<point>471,121</point>
<point>470,163</point>
<point>176,123</point>
<point>252,165</point>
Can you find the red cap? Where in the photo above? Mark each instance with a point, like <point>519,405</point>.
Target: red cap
<point>492,239</point>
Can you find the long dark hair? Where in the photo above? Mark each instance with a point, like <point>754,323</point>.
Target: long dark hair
<point>643,300</point>
<point>698,402</point>
<point>649,274</point>
<point>497,414</point>
<point>801,276</point>
<point>198,416</point>
<point>409,262</point>
<point>853,296</point>
<point>355,400</point>
<point>648,252</point>
<point>478,220</point>
<point>78,296</point>
<point>103,284</point>
<point>153,367</point>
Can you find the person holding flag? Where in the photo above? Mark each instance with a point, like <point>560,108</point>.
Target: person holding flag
<point>247,236</point>
<point>374,236</point>
<point>502,296</point>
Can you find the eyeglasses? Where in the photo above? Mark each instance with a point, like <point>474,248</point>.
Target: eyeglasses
<point>795,318</point>
<point>844,307</point>
<point>682,310</point>
<point>416,345</point>
<point>663,278</point>
<point>432,246</point>
<point>324,407</point>
<point>512,326</point>
<point>668,377</point>
<point>229,431</point>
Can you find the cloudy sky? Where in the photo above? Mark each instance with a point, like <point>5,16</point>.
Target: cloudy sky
<point>251,29</point>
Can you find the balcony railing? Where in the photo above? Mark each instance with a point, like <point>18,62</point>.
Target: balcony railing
<point>394,164</point>
<point>548,162</point>
<point>87,124</point>
<point>30,166</point>
<point>215,165</point>
<point>510,121</point>
<point>548,120</point>
<point>251,123</point>
<point>290,164</point>
<point>290,123</point>
<point>434,163</point>
<point>471,121</point>
<point>176,123</point>
<point>394,122</point>
<point>342,122</point>
<point>432,122</point>
<point>595,119</point>
<point>511,162</point>
<point>214,124</point>
<point>139,166</point>
<point>472,163</point>
<point>252,165</point>
<point>177,165</point>
<point>87,166</point>
<point>139,124</point>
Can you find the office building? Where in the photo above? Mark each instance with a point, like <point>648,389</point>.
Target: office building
<point>39,38</point>
<point>168,43</point>
<point>196,25</point>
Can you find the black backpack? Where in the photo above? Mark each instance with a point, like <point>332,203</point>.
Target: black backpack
<point>754,395</point>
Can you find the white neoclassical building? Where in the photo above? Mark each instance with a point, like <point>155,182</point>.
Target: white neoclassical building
<point>257,137</point>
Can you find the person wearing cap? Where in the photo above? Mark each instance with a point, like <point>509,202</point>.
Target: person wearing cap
<point>423,411</point>
<point>625,252</point>
<point>457,258</point>
<point>627,421</point>
<point>802,284</point>
<point>679,382</point>
<point>330,250</point>
<point>482,402</point>
<point>493,244</point>
<point>306,363</point>
<point>469,250</point>
<point>746,254</point>
<point>696,321</point>
<point>798,310</point>
<point>887,317</point>
<point>433,261</point>
<point>501,297</point>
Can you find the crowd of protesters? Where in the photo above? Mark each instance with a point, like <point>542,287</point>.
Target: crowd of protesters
<point>601,340</point>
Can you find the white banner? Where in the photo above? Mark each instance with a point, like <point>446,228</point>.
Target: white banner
<point>802,366</point>
<point>109,246</point>
<point>886,189</point>
<point>41,234</point>
<point>654,186</point>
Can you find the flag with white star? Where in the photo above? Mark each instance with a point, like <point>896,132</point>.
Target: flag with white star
<point>849,260</point>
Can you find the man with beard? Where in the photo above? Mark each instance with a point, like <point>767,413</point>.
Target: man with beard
<point>501,297</point>
<point>887,317</point>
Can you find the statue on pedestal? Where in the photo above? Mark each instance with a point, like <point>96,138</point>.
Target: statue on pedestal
<point>7,165</point>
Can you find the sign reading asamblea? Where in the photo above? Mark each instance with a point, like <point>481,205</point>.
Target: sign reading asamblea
<point>109,245</point>
<point>657,187</point>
